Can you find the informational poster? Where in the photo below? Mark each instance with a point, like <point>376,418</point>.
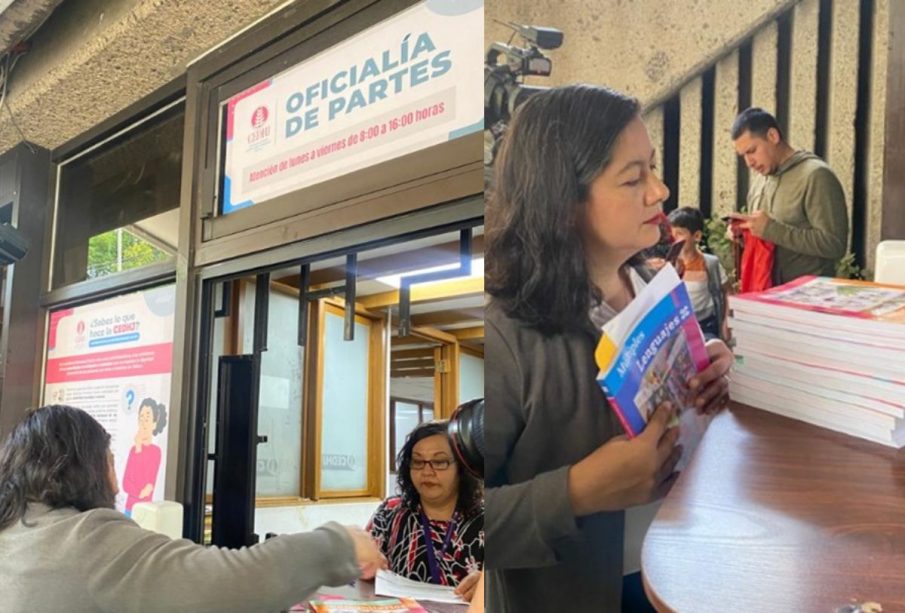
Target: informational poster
<point>409,82</point>
<point>113,359</point>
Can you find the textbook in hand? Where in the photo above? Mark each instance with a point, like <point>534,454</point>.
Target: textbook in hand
<point>648,354</point>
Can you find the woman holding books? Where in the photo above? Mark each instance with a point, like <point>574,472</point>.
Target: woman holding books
<point>575,201</point>
<point>434,531</point>
<point>66,549</point>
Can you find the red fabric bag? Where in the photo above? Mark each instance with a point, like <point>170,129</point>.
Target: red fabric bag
<point>757,264</point>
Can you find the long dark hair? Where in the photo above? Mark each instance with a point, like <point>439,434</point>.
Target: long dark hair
<point>57,456</point>
<point>559,141</point>
<point>471,494</point>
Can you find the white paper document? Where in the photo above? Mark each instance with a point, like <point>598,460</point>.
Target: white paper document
<point>391,584</point>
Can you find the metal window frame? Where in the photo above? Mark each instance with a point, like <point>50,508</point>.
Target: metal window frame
<point>136,115</point>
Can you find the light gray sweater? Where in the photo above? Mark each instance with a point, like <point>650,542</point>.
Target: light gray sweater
<point>100,560</point>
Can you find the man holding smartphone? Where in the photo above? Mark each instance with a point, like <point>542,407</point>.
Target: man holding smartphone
<point>796,203</point>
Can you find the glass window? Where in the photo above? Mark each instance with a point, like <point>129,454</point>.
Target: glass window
<point>471,377</point>
<point>118,203</point>
<point>344,450</point>
<point>406,415</point>
<point>280,397</point>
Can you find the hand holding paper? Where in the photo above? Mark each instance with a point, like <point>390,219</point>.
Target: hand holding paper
<point>370,560</point>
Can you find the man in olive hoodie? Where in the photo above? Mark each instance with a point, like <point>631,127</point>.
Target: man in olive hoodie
<point>797,203</point>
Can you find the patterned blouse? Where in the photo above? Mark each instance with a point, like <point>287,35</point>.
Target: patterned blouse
<point>400,536</point>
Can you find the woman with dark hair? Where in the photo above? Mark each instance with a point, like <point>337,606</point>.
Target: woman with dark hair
<point>66,549</point>
<point>434,531</point>
<point>576,200</point>
<point>144,457</point>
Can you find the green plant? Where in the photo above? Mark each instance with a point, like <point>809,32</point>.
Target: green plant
<point>718,244</point>
<point>847,268</point>
<point>106,256</point>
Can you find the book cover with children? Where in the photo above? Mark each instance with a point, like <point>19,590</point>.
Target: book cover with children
<point>846,297</point>
<point>843,309</point>
<point>648,354</point>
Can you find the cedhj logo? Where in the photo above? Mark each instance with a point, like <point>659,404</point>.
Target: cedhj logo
<point>259,117</point>
<point>261,129</point>
<point>80,339</point>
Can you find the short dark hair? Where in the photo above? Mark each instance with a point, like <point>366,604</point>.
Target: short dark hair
<point>471,493</point>
<point>756,121</point>
<point>688,218</point>
<point>558,142</point>
<point>158,410</point>
<point>57,456</point>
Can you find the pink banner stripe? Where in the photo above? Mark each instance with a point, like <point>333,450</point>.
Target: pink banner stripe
<point>135,361</point>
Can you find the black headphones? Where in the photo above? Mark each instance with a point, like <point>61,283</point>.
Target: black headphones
<point>466,434</point>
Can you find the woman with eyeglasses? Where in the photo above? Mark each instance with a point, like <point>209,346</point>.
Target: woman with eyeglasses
<point>434,531</point>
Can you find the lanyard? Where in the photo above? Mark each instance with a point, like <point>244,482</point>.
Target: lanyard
<point>429,546</point>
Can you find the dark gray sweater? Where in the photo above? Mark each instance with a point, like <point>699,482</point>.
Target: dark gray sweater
<point>545,412</point>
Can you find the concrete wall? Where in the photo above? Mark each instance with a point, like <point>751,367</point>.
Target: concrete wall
<point>656,50</point>
<point>645,47</point>
<point>93,58</point>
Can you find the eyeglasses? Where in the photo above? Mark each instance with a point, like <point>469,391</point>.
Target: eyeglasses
<point>434,464</point>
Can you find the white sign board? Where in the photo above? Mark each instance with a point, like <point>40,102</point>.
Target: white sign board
<point>113,359</point>
<point>409,82</point>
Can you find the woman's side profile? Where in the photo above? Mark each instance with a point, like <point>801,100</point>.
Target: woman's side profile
<point>65,548</point>
<point>575,202</point>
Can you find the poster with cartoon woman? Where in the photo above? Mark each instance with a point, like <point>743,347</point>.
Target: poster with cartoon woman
<point>105,357</point>
<point>144,456</point>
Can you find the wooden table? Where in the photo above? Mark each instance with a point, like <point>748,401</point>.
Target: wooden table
<point>776,515</point>
<point>365,589</point>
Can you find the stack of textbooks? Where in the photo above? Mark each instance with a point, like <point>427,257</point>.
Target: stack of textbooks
<point>647,355</point>
<point>830,352</point>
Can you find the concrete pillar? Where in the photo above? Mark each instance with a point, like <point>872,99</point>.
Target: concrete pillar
<point>725,103</point>
<point>690,144</point>
<point>893,220</point>
<point>763,68</point>
<point>803,81</point>
<point>843,91</point>
<point>653,119</point>
<point>877,131</point>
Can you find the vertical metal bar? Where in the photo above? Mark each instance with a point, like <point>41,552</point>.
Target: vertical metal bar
<point>351,273</point>
<point>405,319</point>
<point>465,251</point>
<point>234,476</point>
<point>304,282</point>
<point>196,447</point>
<point>262,308</point>
<point>225,299</point>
